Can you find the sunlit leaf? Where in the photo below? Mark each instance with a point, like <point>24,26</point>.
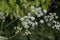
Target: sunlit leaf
<point>17,9</point>
<point>12,2</point>
<point>48,3</point>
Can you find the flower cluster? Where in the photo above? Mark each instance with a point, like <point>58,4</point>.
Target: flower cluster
<point>29,21</point>
<point>26,33</point>
<point>3,38</point>
<point>50,20</point>
<point>18,29</point>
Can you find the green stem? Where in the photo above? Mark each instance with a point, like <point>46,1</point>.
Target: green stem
<point>10,23</point>
<point>2,25</point>
<point>12,36</point>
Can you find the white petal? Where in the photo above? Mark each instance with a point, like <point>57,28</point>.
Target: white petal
<point>45,11</point>
<point>41,21</point>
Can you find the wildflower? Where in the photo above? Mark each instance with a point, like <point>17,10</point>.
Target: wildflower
<point>30,22</point>
<point>32,18</point>
<point>18,29</point>
<point>46,20</point>
<point>57,22</point>
<point>33,10</point>
<point>39,15</point>
<point>50,14</point>
<point>54,21</point>
<point>36,23</point>
<point>25,17</point>
<point>32,7</point>
<point>23,34</point>
<point>45,16</point>
<point>45,11</point>
<point>36,9</point>
<point>53,26</point>
<point>26,26</point>
<point>27,32</point>
<point>33,24</point>
<point>39,8</point>
<point>56,17</point>
<point>49,24</point>
<point>41,21</point>
<point>36,13</point>
<point>29,14</point>
<point>24,23</point>
<point>57,26</point>
<point>22,19</point>
<point>3,38</point>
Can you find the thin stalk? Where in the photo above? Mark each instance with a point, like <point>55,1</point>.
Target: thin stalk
<point>10,23</point>
<point>2,25</point>
<point>12,36</point>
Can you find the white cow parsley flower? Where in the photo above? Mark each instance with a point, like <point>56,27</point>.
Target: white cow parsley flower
<point>57,27</point>
<point>27,32</point>
<point>36,23</point>
<point>22,19</point>
<point>49,24</point>
<point>3,38</point>
<point>33,24</point>
<point>56,17</point>
<point>26,26</point>
<point>54,14</point>
<point>41,21</point>
<point>45,11</point>
<point>39,8</point>
<point>50,14</point>
<point>32,18</point>
<point>32,7</point>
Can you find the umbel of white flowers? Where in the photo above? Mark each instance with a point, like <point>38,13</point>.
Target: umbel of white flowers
<point>29,21</point>
<point>3,38</point>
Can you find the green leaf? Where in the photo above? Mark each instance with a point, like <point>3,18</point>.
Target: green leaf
<point>7,11</point>
<point>12,2</point>
<point>42,1</point>
<point>44,6</point>
<point>17,9</point>
<point>48,3</point>
<point>37,2</point>
<point>11,16</point>
<point>2,6</point>
<point>32,3</point>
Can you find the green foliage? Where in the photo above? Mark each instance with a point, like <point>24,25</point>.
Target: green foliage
<point>12,2</point>
<point>13,5</point>
<point>13,9</point>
